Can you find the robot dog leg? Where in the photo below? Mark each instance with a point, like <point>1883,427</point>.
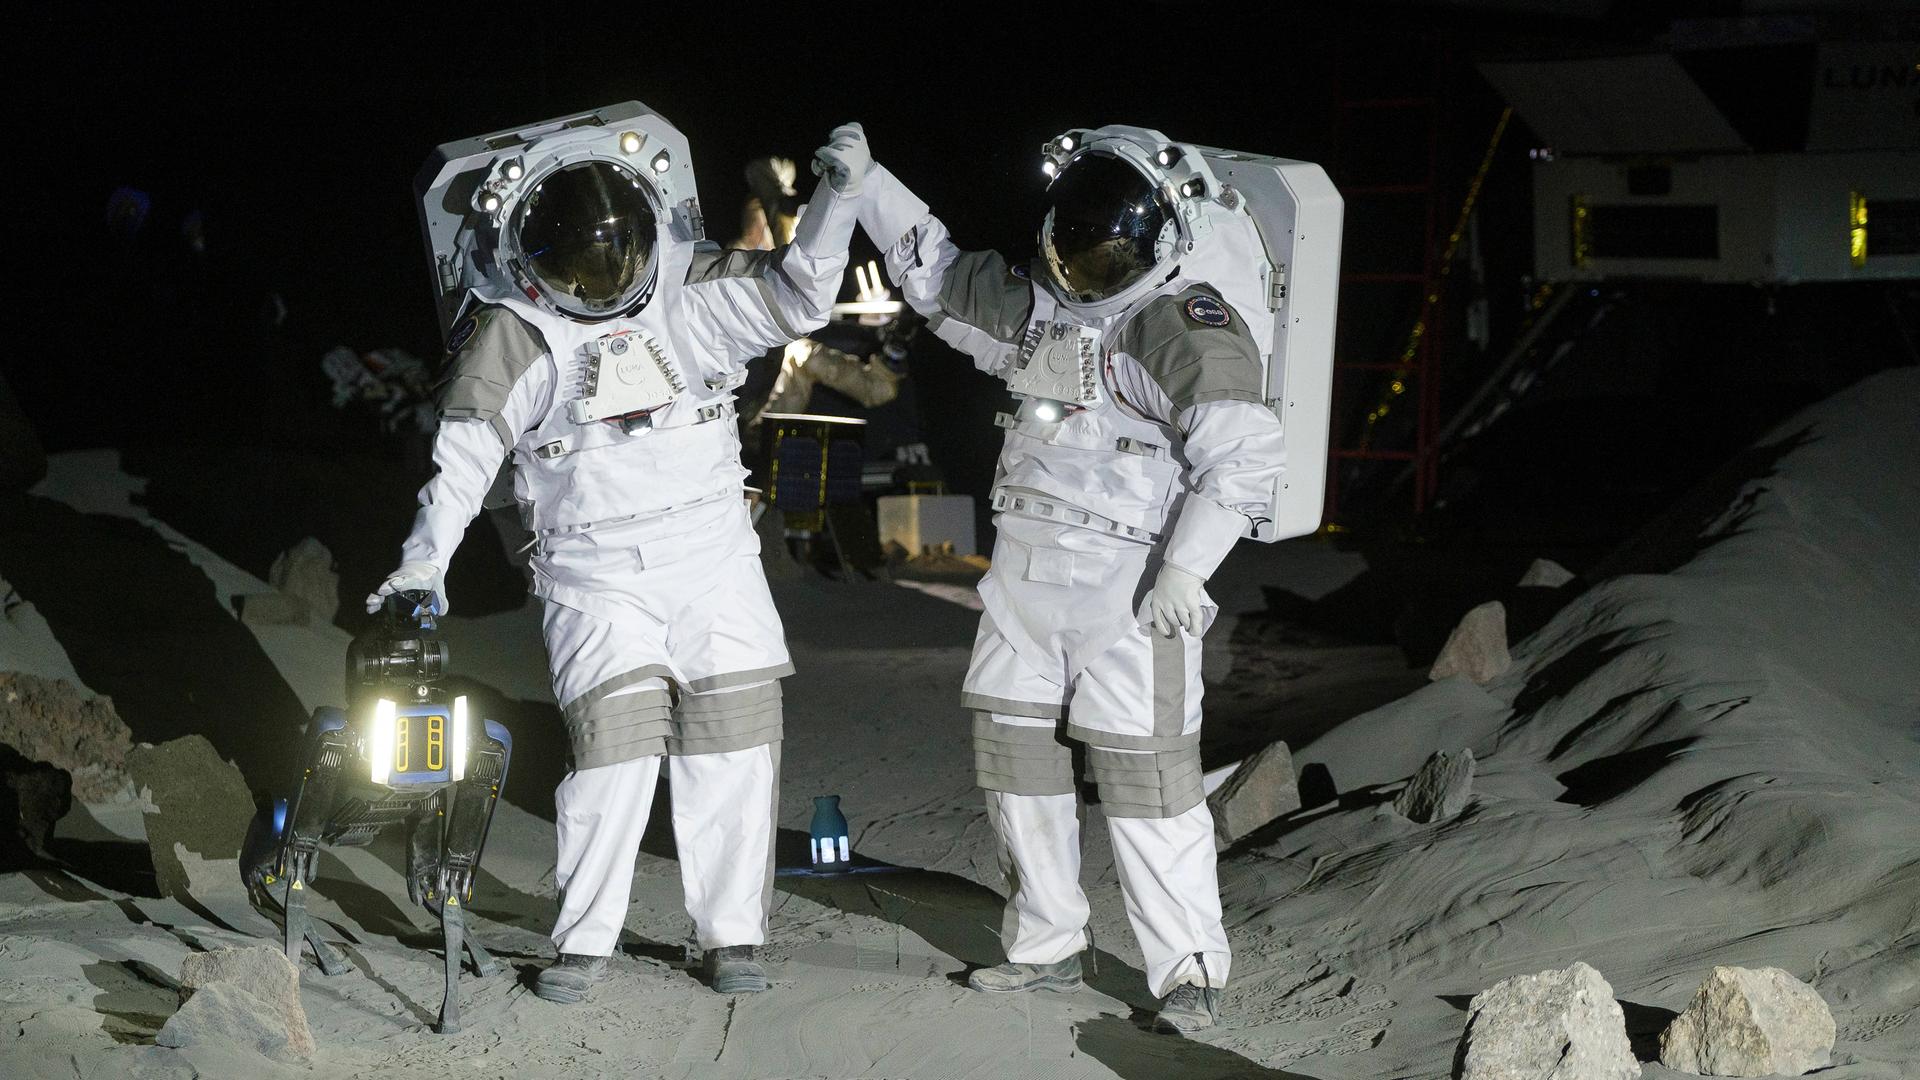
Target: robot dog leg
<point>405,755</point>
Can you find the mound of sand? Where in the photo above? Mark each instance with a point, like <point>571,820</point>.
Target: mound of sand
<point>1715,765</point>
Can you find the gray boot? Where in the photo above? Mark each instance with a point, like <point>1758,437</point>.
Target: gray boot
<point>731,969</point>
<point>568,979</point>
<point>1188,1008</point>
<point>1010,978</point>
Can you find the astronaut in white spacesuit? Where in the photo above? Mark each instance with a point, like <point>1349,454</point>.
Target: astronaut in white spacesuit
<point>1143,448</point>
<point>601,348</point>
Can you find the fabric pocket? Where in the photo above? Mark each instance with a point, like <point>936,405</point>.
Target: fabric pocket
<point>1049,565</point>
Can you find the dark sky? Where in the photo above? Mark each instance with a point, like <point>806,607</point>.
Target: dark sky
<point>298,137</point>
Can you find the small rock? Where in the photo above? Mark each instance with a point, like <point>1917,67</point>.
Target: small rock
<point>1477,648</point>
<point>1750,1022</point>
<point>53,721</point>
<point>196,802</point>
<point>33,797</point>
<point>1560,1024</point>
<point>225,1015</point>
<point>1261,789</point>
<point>1545,574</point>
<point>274,609</point>
<point>1439,790</point>
<point>305,571</point>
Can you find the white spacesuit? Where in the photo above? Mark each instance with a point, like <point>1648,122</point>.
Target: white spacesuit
<point>1143,448</point>
<point>600,348</point>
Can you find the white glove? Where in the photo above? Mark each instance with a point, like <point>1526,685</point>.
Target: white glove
<point>845,160</point>
<point>413,574</point>
<point>1176,601</point>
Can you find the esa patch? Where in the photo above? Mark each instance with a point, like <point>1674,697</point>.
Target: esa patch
<point>1207,311</point>
<point>462,334</point>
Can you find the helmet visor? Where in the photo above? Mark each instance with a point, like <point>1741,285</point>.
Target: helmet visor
<point>1103,226</point>
<point>586,237</point>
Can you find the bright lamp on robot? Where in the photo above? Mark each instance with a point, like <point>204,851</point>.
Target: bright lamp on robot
<point>417,744</point>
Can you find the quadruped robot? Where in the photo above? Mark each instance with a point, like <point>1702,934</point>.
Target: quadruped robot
<point>402,754</point>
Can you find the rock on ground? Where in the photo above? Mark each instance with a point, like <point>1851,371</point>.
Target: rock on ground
<point>1750,1022</point>
<point>274,609</point>
<point>1563,1024</point>
<point>226,1015</point>
<point>1440,789</point>
<point>52,720</point>
<point>1545,574</point>
<point>1261,789</point>
<point>195,800</point>
<point>305,572</point>
<point>33,797</point>
<point>1477,648</point>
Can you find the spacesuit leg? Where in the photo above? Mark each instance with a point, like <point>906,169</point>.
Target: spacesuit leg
<point>1137,707</point>
<point>1025,769</point>
<point>725,807</point>
<point>600,816</point>
<point>1168,876</point>
<point>1046,915</point>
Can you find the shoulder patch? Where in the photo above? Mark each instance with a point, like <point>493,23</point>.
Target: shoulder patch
<point>1207,311</point>
<point>462,334</point>
<point>1018,270</point>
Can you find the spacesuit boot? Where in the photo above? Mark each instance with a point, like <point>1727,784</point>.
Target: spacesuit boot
<point>1011,978</point>
<point>569,978</point>
<point>731,969</point>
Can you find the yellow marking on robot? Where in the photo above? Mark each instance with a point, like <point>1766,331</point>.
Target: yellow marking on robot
<point>436,741</point>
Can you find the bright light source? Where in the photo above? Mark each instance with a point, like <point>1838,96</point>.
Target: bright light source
<point>1048,411</point>
<point>514,170</point>
<point>662,161</point>
<point>1163,158</point>
<point>380,742</point>
<point>490,203</point>
<point>630,142</point>
<point>459,763</point>
<point>1066,142</point>
<point>1049,168</point>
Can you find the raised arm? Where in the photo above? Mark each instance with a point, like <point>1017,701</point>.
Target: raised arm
<point>746,302</point>
<point>498,383</point>
<point>972,300</point>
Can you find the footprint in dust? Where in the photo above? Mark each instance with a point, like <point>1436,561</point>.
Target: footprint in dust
<point>1869,1028</point>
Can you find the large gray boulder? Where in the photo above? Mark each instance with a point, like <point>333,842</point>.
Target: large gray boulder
<point>248,997</point>
<point>1477,648</point>
<point>196,803</point>
<point>1440,790</point>
<point>1750,1022</point>
<point>1559,1024</point>
<point>1260,790</point>
<point>56,722</point>
<point>305,571</point>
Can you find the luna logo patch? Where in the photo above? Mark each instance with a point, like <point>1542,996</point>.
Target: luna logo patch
<point>1207,311</point>
<point>462,334</point>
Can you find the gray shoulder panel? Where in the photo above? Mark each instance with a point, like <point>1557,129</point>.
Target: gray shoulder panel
<point>1196,348</point>
<point>732,262</point>
<point>982,291</point>
<point>491,349</point>
<point>753,265</point>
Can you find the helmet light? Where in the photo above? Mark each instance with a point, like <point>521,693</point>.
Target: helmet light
<point>630,142</point>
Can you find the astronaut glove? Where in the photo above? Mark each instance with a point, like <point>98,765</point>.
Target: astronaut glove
<point>845,160</point>
<point>1176,601</point>
<point>413,574</point>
